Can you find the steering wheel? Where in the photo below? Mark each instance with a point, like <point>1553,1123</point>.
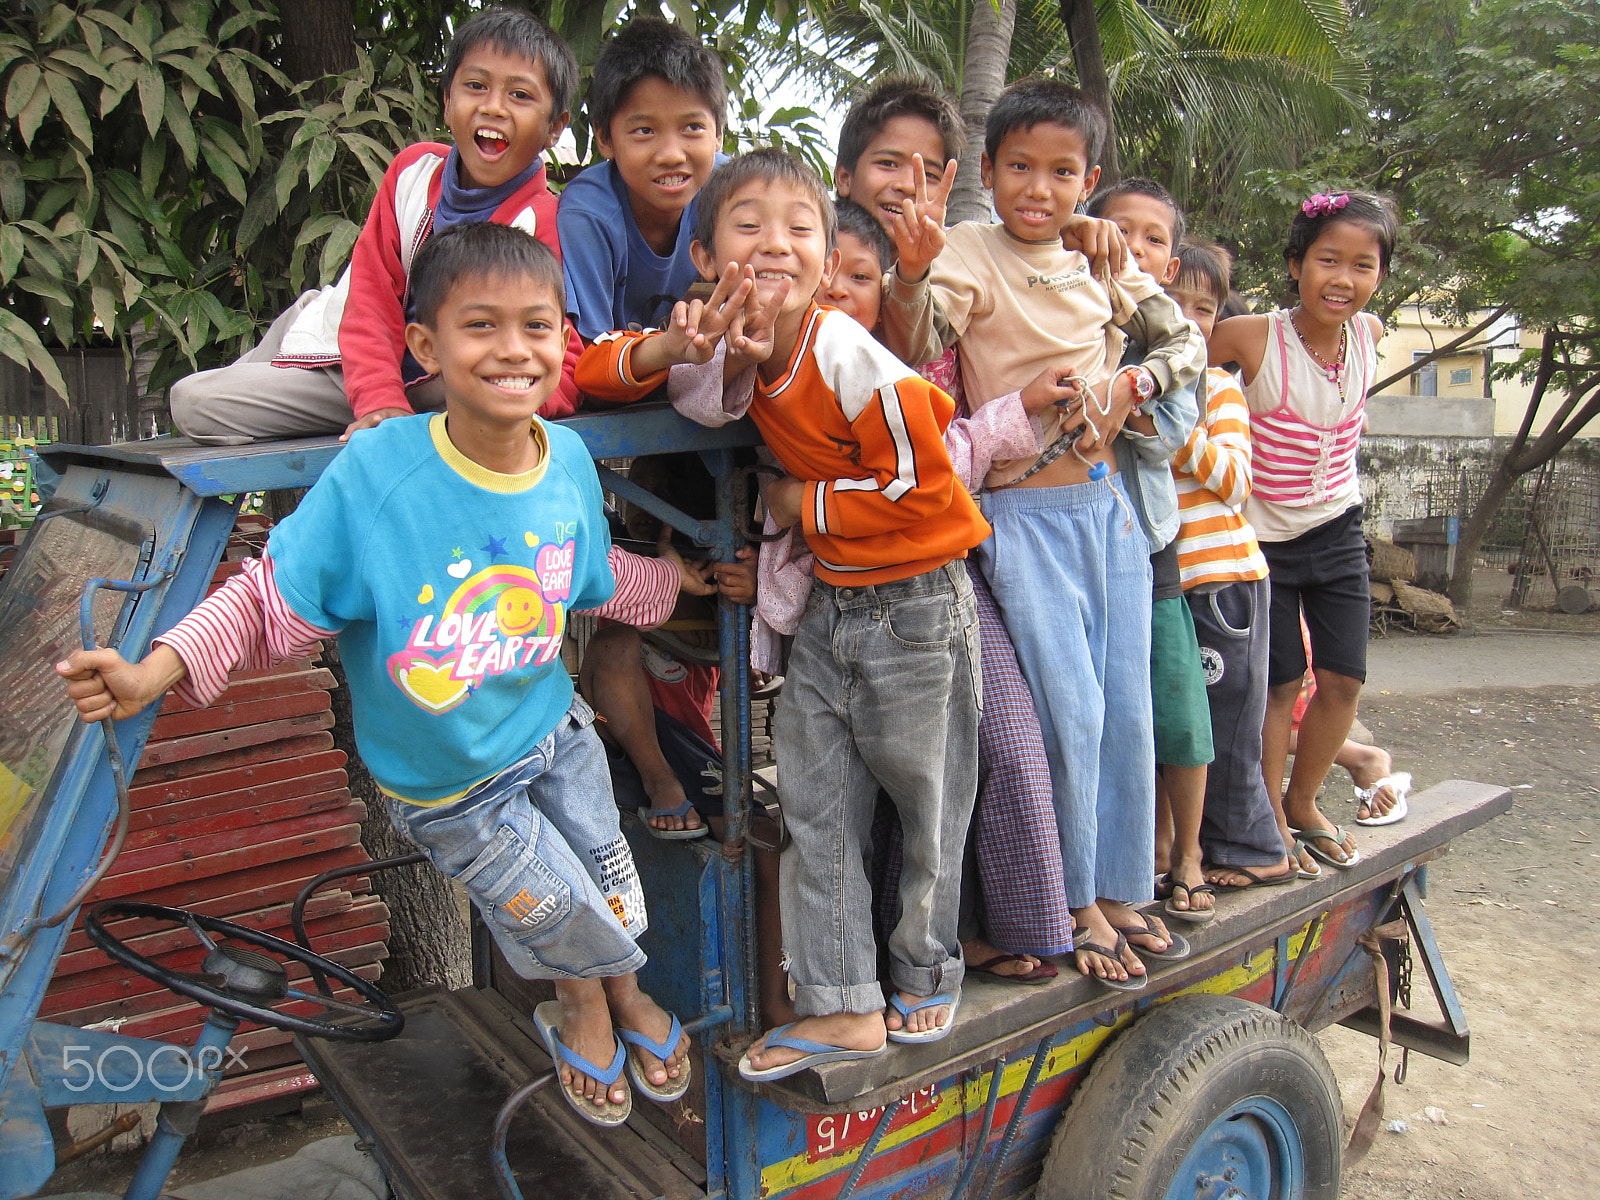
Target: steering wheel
<point>246,983</point>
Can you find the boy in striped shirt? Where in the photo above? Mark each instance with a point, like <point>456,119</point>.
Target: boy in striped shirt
<point>1224,577</point>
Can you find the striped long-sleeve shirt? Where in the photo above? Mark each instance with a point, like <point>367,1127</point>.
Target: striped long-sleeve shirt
<point>1215,543</point>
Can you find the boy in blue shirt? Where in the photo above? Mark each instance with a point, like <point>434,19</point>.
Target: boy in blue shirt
<point>446,552</point>
<point>657,105</point>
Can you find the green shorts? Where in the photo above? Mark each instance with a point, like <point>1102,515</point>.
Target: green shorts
<point>1178,688</point>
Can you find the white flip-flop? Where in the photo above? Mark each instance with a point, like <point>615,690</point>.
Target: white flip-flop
<point>1400,782</point>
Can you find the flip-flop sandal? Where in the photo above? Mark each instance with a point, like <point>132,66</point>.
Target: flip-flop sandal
<point>1336,835</point>
<point>1196,916</point>
<point>1043,973</point>
<point>1164,885</point>
<point>1177,945</point>
<point>1265,881</point>
<point>1400,783</point>
<point>816,1053</point>
<point>547,1018</point>
<point>1133,983</point>
<point>938,1033</point>
<point>1299,866</point>
<point>636,1041</point>
<point>672,835</point>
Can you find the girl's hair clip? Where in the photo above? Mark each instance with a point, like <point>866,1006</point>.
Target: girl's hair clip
<point>1322,204</point>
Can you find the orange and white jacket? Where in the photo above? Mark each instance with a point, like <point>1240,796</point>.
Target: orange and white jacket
<point>863,430</point>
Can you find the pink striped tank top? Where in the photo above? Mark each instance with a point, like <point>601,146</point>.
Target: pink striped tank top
<point>1306,438</point>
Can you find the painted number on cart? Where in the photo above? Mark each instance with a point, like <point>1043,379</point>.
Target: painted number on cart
<point>838,1132</point>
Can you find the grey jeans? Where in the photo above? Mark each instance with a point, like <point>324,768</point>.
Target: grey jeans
<point>884,689</point>
<point>250,400</point>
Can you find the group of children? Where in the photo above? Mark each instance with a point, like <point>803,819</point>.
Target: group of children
<point>1146,537</point>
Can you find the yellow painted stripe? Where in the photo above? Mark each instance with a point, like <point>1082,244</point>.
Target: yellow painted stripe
<point>972,1095</point>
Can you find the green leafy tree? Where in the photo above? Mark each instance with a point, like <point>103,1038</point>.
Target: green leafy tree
<point>1199,92</point>
<point>1485,129</point>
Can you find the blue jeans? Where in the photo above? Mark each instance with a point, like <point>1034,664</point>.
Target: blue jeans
<point>1072,580</point>
<point>539,850</point>
<point>884,689</point>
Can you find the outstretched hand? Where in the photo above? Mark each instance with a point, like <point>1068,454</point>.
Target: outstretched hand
<point>104,684</point>
<point>918,231</point>
<point>691,336</point>
<point>693,577</point>
<point>754,330</point>
<point>1055,387</point>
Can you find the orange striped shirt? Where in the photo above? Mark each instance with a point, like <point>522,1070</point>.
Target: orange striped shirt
<point>1215,543</point>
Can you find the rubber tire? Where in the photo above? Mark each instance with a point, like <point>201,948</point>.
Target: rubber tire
<point>1162,1083</point>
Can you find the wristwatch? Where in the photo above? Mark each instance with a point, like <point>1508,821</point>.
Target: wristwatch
<point>1144,385</point>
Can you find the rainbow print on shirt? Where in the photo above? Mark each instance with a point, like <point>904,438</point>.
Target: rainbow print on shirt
<point>502,618</point>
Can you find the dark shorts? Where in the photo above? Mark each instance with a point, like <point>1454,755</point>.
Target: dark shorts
<point>1324,574</point>
<point>696,763</point>
<point>1178,688</point>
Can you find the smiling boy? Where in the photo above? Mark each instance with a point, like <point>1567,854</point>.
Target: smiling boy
<point>882,685</point>
<point>657,105</point>
<point>508,85</point>
<point>446,552</point>
<point>1068,565</point>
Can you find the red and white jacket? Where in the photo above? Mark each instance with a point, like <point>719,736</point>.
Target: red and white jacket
<point>371,345</point>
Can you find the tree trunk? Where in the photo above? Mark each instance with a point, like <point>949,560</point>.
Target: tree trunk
<point>982,78</point>
<point>319,37</point>
<point>429,941</point>
<point>1470,539</point>
<point>1083,31</point>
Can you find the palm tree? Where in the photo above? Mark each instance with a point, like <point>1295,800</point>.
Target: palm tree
<point>1200,91</point>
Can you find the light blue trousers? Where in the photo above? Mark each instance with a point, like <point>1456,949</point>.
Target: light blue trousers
<point>1071,576</point>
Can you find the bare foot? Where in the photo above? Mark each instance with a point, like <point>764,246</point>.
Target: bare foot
<point>632,1009</point>
<point>922,1021</point>
<point>979,951</point>
<point>666,794</point>
<point>1187,872</point>
<point>586,1030</point>
<point>851,1031</point>
<point>1091,926</point>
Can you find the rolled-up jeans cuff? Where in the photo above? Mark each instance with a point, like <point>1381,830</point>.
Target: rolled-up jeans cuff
<point>823,1000</point>
<point>928,981</point>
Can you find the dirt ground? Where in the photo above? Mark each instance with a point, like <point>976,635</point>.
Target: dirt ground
<point>1514,907</point>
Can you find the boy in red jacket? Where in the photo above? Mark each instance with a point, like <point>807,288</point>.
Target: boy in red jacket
<point>336,360</point>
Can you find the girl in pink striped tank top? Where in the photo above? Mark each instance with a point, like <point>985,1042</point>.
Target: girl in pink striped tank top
<point>1306,375</point>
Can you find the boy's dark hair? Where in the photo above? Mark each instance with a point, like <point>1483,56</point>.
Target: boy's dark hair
<point>768,164</point>
<point>523,35</point>
<point>484,250</point>
<point>1374,213</point>
<point>1029,101</point>
<point>851,218</point>
<point>899,96</point>
<point>651,47</point>
<point>1234,306</point>
<point>1136,186</point>
<point>1204,266</point>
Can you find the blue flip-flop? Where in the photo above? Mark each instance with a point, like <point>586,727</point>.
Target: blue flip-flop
<point>636,1041</point>
<point>938,1032</point>
<point>547,1019</point>
<point>816,1053</point>
<point>673,835</point>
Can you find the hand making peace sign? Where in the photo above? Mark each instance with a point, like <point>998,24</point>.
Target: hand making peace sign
<point>918,231</point>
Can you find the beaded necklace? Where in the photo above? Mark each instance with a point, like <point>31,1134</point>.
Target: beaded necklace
<point>1335,370</point>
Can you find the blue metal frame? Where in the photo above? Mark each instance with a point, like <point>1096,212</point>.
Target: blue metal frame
<point>182,487</point>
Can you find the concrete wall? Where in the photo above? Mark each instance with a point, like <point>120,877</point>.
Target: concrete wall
<point>1431,416</point>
